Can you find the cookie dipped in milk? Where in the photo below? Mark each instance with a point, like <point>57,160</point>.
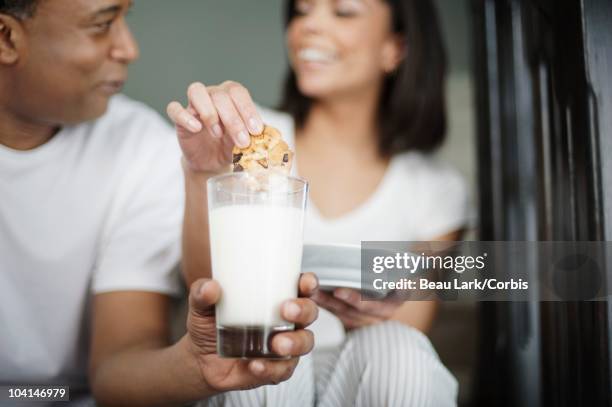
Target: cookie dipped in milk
<point>256,218</point>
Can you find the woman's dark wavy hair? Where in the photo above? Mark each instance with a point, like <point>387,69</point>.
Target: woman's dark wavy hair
<point>411,112</point>
<point>18,8</point>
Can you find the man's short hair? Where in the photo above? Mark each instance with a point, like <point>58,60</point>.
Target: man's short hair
<point>18,8</point>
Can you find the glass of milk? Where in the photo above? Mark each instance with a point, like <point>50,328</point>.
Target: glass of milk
<point>256,237</point>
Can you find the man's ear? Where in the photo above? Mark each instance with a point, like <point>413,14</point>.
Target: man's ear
<point>12,38</point>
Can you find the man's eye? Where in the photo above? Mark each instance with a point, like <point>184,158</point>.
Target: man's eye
<point>103,27</point>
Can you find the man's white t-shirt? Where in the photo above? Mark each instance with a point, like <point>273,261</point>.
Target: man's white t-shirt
<point>98,208</point>
<point>418,199</point>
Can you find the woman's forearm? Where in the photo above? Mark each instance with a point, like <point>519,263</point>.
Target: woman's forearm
<point>417,314</point>
<point>421,314</point>
<point>196,243</point>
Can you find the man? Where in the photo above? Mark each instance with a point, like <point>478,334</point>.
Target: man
<point>90,214</point>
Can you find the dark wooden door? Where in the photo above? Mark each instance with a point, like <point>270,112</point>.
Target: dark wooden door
<point>544,94</point>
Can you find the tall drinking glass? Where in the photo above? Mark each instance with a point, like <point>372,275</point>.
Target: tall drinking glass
<point>256,238</point>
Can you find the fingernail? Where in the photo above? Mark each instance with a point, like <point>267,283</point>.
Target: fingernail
<point>314,283</point>
<point>292,310</point>
<point>284,345</point>
<point>257,366</point>
<point>244,139</point>
<point>202,289</point>
<point>343,295</point>
<point>193,124</point>
<point>255,125</point>
<point>217,131</point>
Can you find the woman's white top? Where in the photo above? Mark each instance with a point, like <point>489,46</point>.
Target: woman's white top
<point>418,199</point>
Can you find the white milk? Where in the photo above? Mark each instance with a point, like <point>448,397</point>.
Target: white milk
<point>256,258</point>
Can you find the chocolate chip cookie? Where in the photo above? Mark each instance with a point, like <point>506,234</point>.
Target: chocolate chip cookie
<point>267,150</point>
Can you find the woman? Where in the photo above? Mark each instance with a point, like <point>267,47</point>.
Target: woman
<point>366,95</point>
<point>364,99</point>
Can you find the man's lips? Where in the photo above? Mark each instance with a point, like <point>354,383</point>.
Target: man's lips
<point>112,86</point>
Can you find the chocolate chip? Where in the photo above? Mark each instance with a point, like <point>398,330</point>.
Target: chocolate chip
<point>237,157</point>
<point>286,158</point>
<point>263,163</point>
<point>238,168</point>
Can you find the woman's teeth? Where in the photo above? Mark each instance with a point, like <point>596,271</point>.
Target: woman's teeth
<point>315,55</point>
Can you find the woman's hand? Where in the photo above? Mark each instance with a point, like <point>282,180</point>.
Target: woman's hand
<point>216,118</point>
<point>347,305</point>
<point>221,374</point>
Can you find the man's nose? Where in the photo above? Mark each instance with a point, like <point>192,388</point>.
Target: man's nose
<point>125,47</point>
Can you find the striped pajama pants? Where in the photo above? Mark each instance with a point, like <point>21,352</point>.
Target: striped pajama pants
<point>383,365</point>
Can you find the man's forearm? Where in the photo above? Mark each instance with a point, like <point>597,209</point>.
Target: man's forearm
<point>150,377</point>
<point>196,243</point>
